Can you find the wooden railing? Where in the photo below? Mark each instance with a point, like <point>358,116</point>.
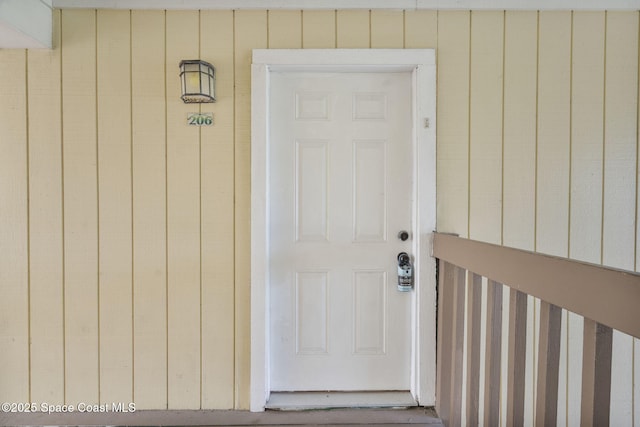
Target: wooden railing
<point>607,298</point>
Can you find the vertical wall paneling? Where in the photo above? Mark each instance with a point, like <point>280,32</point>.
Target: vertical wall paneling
<point>114,181</point>
<point>453,121</point>
<point>250,33</point>
<point>554,65</point>
<point>216,29</point>
<point>353,29</point>
<point>420,29</point>
<point>619,192</point>
<point>485,103</point>
<point>149,209</point>
<point>45,223</point>
<point>183,220</point>
<point>520,59</point>
<point>318,29</point>
<point>387,29</point>
<point>14,234</point>
<point>587,98</point>
<point>285,29</point>
<point>80,206</point>
<point>620,134</point>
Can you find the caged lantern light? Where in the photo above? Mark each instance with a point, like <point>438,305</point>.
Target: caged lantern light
<point>198,81</point>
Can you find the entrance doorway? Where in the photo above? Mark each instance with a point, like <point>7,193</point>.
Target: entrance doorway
<point>343,181</point>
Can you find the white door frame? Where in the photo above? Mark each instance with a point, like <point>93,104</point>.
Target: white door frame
<point>421,63</point>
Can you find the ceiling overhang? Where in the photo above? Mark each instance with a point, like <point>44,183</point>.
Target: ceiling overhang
<point>355,4</point>
<point>25,24</point>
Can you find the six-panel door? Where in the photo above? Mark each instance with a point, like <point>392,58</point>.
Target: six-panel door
<point>340,190</point>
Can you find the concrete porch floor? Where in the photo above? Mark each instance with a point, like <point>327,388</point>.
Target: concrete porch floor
<point>330,417</point>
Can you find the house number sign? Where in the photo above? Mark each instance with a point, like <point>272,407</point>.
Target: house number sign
<point>200,119</point>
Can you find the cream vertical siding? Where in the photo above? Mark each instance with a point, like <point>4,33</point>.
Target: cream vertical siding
<point>80,198</point>
<point>46,267</point>
<point>217,198</point>
<point>183,222</point>
<point>115,239</point>
<point>149,210</point>
<point>15,303</point>
<point>250,33</point>
<point>124,233</point>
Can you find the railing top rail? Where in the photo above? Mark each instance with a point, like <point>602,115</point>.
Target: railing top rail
<point>607,295</point>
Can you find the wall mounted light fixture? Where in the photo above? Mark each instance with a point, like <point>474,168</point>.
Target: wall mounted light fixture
<point>198,81</point>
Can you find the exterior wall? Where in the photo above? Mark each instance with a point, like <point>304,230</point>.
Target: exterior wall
<point>124,233</point>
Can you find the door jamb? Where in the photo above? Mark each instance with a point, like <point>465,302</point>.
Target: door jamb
<point>421,62</point>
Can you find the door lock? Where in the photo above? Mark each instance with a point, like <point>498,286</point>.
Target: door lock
<point>405,272</point>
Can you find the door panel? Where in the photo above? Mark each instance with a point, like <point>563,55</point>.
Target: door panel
<point>311,190</point>
<point>340,189</point>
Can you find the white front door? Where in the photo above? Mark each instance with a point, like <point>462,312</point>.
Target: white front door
<point>340,190</point>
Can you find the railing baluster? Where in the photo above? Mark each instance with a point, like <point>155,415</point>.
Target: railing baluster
<point>493,355</point>
<point>474,305</point>
<point>445,338</point>
<point>548,364</point>
<point>457,347</point>
<point>559,283</point>
<point>517,357</point>
<point>596,374</point>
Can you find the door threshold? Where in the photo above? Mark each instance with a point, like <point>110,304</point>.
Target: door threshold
<point>301,401</point>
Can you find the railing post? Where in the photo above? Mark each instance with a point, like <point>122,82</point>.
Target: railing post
<point>516,358</point>
<point>596,374</point>
<point>457,347</point>
<point>444,341</point>
<point>474,305</point>
<point>548,365</point>
<point>493,355</point>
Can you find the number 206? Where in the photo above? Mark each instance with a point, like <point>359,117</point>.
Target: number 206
<point>200,120</point>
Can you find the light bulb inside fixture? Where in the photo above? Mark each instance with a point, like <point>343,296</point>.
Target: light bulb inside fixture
<point>193,82</point>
